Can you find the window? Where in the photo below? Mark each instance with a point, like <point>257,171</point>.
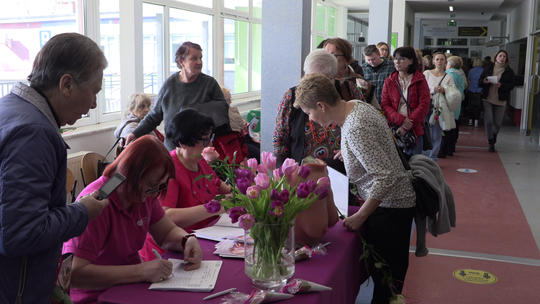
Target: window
<point>25,26</point>
<point>110,32</point>
<point>153,47</point>
<point>325,22</point>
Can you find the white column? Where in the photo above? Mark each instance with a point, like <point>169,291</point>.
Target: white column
<point>380,21</point>
<point>286,32</point>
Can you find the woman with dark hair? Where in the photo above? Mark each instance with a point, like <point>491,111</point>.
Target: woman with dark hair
<point>372,163</point>
<point>191,88</point>
<point>191,132</point>
<point>107,253</point>
<point>495,95</point>
<point>406,83</point>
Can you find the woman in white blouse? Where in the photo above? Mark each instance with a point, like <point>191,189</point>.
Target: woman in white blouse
<point>436,79</point>
<point>373,164</point>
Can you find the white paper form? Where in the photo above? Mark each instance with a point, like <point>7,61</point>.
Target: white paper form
<point>202,279</point>
<point>340,189</point>
<point>217,233</point>
<point>492,79</point>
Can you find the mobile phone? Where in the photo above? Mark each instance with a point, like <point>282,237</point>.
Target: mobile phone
<point>111,185</point>
<point>253,123</point>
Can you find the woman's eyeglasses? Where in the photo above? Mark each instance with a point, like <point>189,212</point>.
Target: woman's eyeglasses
<point>207,141</point>
<point>159,188</point>
<point>337,55</point>
<point>400,59</point>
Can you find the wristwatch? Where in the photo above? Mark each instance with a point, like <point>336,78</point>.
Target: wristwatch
<point>185,238</point>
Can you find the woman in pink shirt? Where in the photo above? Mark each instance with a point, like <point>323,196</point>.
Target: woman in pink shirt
<point>191,132</point>
<point>107,253</point>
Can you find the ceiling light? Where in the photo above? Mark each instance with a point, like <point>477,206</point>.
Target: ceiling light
<point>451,8</point>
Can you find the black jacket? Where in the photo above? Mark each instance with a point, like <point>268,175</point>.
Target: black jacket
<point>507,82</point>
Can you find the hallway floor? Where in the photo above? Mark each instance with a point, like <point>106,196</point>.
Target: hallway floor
<point>498,226</point>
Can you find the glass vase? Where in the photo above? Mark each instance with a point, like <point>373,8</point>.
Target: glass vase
<point>270,262</point>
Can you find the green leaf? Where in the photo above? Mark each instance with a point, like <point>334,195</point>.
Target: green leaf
<point>378,265</point>
<point>207,176</point>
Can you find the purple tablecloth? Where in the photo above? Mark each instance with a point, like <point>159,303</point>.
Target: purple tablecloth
<point>339,269</point>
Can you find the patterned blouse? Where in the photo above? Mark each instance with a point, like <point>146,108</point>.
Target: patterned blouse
<point>324,150</point>
<point>372,161</point>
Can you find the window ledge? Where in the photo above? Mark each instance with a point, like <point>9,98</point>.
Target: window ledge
<point>71,133</point>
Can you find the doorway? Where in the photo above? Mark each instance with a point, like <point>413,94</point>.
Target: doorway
<point>534,105</point>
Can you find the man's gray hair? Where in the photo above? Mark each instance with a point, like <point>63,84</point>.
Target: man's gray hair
<point>67,53</point>
<point>321,61</point>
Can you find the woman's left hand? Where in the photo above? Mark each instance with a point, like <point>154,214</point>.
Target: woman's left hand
<point>338,155</point>
<point>192,254</point>
<point>407,124</point>
<point>353,222</point>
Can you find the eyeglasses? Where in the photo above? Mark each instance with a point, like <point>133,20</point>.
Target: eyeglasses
<point>228,100</point>
<point>400,59</point>
<point>382,49</point>
<point>337,55</point>
<point>207,141</point>
<point>160,188</point>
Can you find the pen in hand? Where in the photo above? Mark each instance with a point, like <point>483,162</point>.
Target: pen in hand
<point>158,256</point>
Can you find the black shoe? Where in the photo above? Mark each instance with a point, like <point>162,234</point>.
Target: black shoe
<point>494,138</point>
<point>441,156</point>
<point>491,145</point>
<point>450,153</point>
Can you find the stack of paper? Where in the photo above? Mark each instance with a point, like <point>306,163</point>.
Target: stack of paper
<point>221,230</point>
<point>202,279</point>
<point>233,247</point>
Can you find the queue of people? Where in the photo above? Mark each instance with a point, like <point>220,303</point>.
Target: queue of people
<point>328,116</point>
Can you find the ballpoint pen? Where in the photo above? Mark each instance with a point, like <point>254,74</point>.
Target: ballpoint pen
<point>220,293</point>
<point>159,257</point>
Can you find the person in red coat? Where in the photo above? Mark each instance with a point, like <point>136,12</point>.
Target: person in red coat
<point>415,89</point>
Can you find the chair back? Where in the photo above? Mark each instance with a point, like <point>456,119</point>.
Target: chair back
<point>89,169</point>
<point>70,181</point>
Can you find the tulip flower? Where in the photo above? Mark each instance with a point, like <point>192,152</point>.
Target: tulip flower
<point>324,181</point>
<point>262,169</point>
<point>253,192</point>
<point>289,166</point>
<point>246,221</point>
<point>311,185</point>
<point>242,184</point>
<point>268,160</point>
<point>304,172</point>
<point>274,195</point>
<point>212,206</point>
<point>235,213</point>
<point>210,154</point>
<point>278,174</point>
<point>252,163</point>
<point>278,208</point>
<point>240,173</point>
<point>322,192</point>
<point>262,180</point>
<point>285,196</point>
<point>302,191</point>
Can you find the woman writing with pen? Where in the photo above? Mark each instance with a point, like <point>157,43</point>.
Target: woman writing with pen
<point>107,253</point>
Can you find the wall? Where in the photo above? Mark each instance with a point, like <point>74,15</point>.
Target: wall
<point>402,15</point>
<point>520,21</point>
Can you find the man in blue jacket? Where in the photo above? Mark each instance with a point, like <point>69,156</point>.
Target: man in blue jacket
<point>34,218</point>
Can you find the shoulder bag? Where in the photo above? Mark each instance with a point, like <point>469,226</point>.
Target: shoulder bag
<point>428,144</point>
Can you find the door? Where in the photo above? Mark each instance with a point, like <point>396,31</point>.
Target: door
<point>534,81</point>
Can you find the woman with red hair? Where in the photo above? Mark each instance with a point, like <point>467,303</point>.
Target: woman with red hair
<point>107,253</point>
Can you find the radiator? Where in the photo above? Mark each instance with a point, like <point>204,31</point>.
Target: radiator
<point>74,164</point>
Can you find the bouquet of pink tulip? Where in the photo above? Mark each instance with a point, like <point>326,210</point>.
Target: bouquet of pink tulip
<point>264,195</point>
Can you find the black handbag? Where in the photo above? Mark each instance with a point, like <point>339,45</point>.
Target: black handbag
<point>475,102</point>
<point>427,143</point>
<point>407,141</point>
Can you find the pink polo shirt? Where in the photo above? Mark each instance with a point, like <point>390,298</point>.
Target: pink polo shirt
<point>184,193</point>
<point>114,237</point>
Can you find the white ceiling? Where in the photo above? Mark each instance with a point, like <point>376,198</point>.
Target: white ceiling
<point>464,10</point>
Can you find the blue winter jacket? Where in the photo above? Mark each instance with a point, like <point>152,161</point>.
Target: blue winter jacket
<point>34,218</point>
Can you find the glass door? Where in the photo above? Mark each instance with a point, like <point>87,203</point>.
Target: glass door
<point>534,81</point>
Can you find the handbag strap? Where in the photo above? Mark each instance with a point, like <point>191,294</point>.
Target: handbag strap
<point>404,161</point>
<point>405,99</point>
<point>116,143</point>
<point>442,78</point>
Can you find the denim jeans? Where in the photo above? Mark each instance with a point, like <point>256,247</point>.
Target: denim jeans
<point>436,136</point>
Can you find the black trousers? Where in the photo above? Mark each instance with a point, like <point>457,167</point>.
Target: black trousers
<point>389,231</point>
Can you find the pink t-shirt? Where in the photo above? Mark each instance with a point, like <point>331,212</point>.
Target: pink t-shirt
<point>183,193</point>
<point>114,237</point>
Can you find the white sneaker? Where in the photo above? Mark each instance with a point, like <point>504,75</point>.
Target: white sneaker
<point>476,122</point>
<point>470,122</point>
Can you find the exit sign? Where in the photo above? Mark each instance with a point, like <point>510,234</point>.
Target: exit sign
<point>451,23</point>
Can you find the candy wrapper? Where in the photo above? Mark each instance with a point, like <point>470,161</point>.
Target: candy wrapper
<point>303,286</point>
<point>257,296</point>
<point>305,253</point>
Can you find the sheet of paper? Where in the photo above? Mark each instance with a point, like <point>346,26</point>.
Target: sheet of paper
<point>202,279</point>
<point>225,221</point>
<point>217,233</point>
<point>492,79</point>
<point>340,188</point>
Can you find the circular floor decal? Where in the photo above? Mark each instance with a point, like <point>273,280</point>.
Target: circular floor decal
<point>464,133</point>
<point>475,276</point>
<point>467,170</point>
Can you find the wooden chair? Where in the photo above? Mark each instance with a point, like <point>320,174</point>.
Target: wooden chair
<point>89,167</point>
<point>71,182</point>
